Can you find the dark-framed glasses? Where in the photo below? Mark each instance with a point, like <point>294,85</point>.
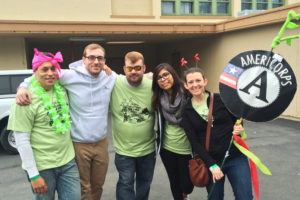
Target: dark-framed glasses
<point>164,76</point>
<point>93,58</point>
<point>135,68</point>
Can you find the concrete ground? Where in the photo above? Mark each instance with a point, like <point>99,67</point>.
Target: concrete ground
<point>276,143</point>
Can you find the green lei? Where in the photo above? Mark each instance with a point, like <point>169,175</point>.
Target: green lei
<point>61,121</point>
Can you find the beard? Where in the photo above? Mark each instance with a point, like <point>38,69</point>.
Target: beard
<point>134,80</point>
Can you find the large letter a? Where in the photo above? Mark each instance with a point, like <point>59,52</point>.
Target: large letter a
<point>262,87</point>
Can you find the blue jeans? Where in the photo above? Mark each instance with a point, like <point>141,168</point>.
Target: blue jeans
<point>64,179</point>
<point>238,173</point>
<point>128,168</point>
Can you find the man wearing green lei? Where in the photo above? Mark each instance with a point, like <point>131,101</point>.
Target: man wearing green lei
<point>89,89</point>
<point>42,133</point>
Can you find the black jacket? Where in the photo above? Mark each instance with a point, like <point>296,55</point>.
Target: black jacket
<point>160,130</point>
<point>221,132</point>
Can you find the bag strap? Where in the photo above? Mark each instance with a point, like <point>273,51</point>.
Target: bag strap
<point>211,102</point>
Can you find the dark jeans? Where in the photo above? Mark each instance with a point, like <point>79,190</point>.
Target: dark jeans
<point>128,168</point>
<point>237,171</point>
<point>178,172</point>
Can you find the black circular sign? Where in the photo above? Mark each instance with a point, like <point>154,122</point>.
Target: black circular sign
<point>257,85</point>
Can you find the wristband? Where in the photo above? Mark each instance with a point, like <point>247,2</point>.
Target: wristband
<point>212,167</point>
<point>35,177</point>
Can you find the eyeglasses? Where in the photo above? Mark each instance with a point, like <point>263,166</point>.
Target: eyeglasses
<point>135,68</point>
<point>164,76</point>
<point>93,58</point>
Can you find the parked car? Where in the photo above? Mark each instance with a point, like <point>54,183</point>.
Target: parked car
<point>9,82</point>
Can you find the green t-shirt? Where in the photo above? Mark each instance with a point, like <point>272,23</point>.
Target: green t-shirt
<point>132,118</point>
<point>50,149</point>
<point>175,140</point>
<point>202,109</point>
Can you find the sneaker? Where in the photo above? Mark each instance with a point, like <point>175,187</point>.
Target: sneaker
<point>186,197</point>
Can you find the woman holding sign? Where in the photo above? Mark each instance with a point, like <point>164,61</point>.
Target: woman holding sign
<point>194,122</point>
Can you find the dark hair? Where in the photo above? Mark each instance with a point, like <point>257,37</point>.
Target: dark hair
<point>176,88</point>
<point>193,70</point>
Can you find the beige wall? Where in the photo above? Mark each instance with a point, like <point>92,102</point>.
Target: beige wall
<point>55,10</point>
<point>91,11</point>
<point>132,7</point>
<point>236,7</point>
<point>12,53</point>
<point>100,11</point>
<point>288,2</point>
<point>216,51</point>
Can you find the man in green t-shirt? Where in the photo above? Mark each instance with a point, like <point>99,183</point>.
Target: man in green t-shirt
<point>133,130</point>
<point>42,133</point>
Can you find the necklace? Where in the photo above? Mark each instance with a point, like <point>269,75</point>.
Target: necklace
<point>61,120</point>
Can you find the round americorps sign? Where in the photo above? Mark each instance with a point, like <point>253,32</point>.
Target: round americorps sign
<point>257,85</point>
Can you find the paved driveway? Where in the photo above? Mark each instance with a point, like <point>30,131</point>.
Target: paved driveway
<point>276,143</point>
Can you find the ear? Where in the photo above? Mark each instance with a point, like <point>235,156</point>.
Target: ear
<point>83,58</point>
<point>124,68</point>
<point>186,87</point>
<point>205,82</point>
<point>144,68</point>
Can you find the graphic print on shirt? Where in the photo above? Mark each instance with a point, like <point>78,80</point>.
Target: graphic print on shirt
<point>133,112</point>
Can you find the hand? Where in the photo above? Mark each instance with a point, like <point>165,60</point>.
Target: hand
<point>23,96</point>
<point>237,129</point>
<point>149,75</point>
<point>217,174</point>
<point>39,186</point>
<point>107,70</point>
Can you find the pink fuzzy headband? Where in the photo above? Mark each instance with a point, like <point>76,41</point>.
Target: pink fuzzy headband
<point>40,57</point>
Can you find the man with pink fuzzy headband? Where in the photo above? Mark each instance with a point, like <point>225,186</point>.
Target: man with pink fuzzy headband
<point>42,133</point>
<point>89,89</point>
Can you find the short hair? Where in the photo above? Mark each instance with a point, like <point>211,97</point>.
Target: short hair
<point>93,46</point>
<point>193,70</point>
<point>134,56</point>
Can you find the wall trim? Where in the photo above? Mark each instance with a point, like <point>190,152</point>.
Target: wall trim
<point>82,27</point>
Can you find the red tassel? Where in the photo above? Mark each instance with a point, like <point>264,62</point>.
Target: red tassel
<point>253,170</point>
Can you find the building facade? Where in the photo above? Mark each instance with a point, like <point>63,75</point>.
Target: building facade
<point>163,30</point>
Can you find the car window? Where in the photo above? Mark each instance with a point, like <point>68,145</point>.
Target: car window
<point>10,83</point>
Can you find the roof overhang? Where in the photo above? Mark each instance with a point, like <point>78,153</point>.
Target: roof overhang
<point>134,29</point>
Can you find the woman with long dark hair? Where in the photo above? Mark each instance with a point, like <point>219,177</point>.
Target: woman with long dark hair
<point>175,151</point>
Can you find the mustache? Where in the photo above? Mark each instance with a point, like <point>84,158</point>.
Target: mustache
<point>134,74</point>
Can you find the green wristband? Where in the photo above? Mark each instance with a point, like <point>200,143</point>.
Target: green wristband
<point>212,167</point>
<point>35,177</point>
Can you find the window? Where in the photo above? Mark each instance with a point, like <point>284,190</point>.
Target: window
<point>10,83</point>
<point>246,4</point>
<point>186,7</point>
<point>196,7</point>
<point>168,7</point>
<point>205,6</point>
<point>222,6</point>
<point>277,3</point>
<point>261,4</point>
